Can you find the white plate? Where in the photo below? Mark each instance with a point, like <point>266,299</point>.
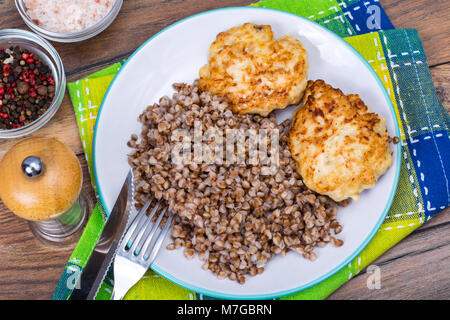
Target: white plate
<point>176,54</point>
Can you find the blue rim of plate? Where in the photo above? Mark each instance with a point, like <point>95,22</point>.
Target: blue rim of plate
<point>220,295</point>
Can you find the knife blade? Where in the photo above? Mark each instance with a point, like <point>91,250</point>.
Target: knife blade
<point>103,254</point>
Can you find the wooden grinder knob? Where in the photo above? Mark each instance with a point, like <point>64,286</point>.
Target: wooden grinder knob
<point>40,179</point>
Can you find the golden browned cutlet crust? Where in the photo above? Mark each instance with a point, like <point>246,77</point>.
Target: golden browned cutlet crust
<point>341,148</point>
<point>255,72</point>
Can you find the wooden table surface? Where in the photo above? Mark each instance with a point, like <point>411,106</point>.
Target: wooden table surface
<point>416,268</point>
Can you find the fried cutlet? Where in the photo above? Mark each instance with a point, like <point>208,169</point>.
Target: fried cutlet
<point>341,148</point>
<point>255,72</point>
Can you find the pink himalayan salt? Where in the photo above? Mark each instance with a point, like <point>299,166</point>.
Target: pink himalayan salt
<point>67,16</point>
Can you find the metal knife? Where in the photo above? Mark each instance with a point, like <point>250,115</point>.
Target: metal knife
<point>100,260</point>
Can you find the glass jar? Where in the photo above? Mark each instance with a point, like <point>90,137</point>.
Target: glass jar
<point>74,36</point>
<point>49,55</point>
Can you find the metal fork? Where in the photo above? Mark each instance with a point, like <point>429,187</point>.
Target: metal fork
<point>138,248</point>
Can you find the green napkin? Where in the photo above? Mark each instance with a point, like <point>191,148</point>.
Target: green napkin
<point>398,58</point>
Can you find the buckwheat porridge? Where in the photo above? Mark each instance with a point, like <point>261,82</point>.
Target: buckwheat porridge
<point>230,215</point>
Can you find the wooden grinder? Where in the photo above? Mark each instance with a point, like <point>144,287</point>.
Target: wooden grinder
<point>40,181</point>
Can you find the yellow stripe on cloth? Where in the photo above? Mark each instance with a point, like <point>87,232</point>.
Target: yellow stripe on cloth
<point>154,287</point>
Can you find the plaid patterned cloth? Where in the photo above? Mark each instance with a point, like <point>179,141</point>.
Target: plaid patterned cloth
<point>398,58</point>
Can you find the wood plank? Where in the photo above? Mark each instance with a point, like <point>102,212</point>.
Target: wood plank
<point>31,270</point>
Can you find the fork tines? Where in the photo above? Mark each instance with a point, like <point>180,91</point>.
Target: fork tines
<point>144,237</point>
